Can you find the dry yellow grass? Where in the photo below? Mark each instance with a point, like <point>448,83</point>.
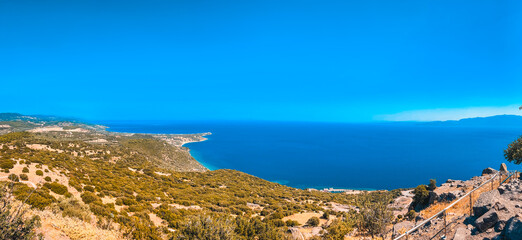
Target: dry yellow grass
<point>302,218</point>
<point>54,226</point>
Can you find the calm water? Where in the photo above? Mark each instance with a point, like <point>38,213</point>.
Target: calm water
<point>357,156</point>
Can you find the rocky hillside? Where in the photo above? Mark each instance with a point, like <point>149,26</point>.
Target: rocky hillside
<point>497,215</point>
<point>496,211</point>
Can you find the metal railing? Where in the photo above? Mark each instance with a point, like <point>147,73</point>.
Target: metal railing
<point>443,212</point>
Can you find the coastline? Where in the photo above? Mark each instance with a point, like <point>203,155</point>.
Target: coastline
<point>179,140</point>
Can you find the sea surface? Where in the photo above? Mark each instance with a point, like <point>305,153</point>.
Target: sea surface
<point>340,155</point>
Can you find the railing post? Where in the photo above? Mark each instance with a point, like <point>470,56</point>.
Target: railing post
<point>445,226</point>
<point>470,204</point>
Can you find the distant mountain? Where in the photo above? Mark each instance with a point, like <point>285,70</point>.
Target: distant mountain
<point>493,121</point>
<point>33,118</point>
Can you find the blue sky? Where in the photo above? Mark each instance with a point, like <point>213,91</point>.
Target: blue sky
<point>346,61</point>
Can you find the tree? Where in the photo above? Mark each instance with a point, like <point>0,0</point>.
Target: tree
<point>375,215</point>
<point>514,151</point>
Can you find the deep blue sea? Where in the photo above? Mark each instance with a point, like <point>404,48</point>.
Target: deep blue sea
<point>339,155</point>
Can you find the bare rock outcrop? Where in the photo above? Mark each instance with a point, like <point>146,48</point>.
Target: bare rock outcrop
<point>461,234</point>
<point>513,229</point>
<point>487,220</point>
<point>485,202</point>
<point>488,171</point>
<point>503,168</point>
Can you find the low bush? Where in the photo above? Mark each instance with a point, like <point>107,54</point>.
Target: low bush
<point>56,188</point>
<point>128,201</point>
<point>39,172</point>
<point>13,177</point>
<point>12,223</point>
<point>6,164</point>
<point>411,215</point>
<point>24,177</point>
<point>313,221</point>
<point>291,223</point>
<point>421,196</point>
<point>38,198</point>
<point>48,179</point>
<point>25,170</point>
<point>89,188</point>
<point>89,197</point>
<point>73,208</point>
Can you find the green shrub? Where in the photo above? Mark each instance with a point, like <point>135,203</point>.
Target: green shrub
<point>88,188</point>
<point>99,210</point>
<point>48,179</point>
<point>6,170</point>
<point>276,215</point>
<point>128,201</point>
<point>421,195</point>
<point>38,199</point>
<point>39,172</point>
<point>7,164</point>
<point>56,188</point>
<point>25,170</point>
<point>325,215</point>
<point>24,177</point>
<point>46,170</point>
<point>313,221</point>
<point>13,177</point>
<point>12,223</point>
<point>207,227</point>
<point>291,223</point>
<point>411,215</point>
<point>278,223</point>
<point>89,197</point>
<point>338,229</point>
<point>73,208</point>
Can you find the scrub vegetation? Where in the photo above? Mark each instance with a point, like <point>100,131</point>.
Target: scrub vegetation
<point>123,184</point>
